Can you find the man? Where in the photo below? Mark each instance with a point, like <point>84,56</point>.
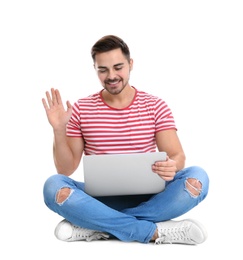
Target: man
<point>120,119</point>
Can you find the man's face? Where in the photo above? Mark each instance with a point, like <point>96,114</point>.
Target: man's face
<point>113,70</point>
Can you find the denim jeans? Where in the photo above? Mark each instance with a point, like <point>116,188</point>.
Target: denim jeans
<point>128,218</point>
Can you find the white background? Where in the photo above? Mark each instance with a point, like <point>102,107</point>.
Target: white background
<point>187,52</point>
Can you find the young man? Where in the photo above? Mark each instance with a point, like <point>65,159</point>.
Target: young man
<point>120,119</point>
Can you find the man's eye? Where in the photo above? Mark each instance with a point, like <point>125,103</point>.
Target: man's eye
<point>119,68</point>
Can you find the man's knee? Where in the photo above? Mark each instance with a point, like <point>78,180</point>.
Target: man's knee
<point>193,186</point>
<point>62,195</point>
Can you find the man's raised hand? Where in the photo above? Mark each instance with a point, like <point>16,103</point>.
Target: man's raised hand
<point>57,116</point>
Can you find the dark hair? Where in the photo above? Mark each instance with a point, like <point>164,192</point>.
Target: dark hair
<point>108,43</point>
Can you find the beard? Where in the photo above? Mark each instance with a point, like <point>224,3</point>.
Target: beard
<point>117,89</point>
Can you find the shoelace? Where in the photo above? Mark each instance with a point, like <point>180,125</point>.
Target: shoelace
<point>80,233</point>
<point>97,236</point>
<point>173,235</point>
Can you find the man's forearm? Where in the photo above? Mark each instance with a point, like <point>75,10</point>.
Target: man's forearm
<point>62,154</point>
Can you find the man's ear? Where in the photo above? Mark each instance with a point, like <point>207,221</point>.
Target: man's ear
<point>131,64</point>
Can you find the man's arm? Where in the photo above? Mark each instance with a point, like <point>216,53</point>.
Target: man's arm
<point>67,151</point>
<point>169,142</point>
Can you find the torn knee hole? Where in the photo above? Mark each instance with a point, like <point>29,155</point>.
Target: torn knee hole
<point>63,194</point>
<point>194,186</point>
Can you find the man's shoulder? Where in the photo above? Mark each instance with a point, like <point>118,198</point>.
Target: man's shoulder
<point>90,98</point>
<point>146,95</point>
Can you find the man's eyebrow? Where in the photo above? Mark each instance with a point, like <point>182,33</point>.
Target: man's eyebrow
<point>116,65</point>
<point>101,67</point>
<point>119,64</point>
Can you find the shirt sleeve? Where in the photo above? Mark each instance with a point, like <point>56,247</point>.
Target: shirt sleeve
<point>164,119</point>
<point>73,128</point>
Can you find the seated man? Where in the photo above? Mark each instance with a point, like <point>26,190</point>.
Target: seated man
<point>120,119</point>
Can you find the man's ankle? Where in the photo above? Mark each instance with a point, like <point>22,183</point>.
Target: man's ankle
<point>155,236</point>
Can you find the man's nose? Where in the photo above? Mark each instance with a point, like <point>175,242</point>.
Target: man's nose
<point>112,74</point>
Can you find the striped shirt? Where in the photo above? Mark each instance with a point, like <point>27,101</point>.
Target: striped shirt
<point>107,130</point>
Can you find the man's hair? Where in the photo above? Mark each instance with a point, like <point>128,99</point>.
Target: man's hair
<point>108,43</point>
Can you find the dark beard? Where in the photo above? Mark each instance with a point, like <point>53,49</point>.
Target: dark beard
<point>116,91</point>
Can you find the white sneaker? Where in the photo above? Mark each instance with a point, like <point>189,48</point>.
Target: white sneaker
<point>66,231</point>
<point>187,231</point>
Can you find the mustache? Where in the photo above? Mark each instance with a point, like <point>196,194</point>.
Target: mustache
<point>112,80</point>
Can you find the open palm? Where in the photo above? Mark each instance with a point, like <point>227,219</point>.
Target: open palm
<point>57,116</point>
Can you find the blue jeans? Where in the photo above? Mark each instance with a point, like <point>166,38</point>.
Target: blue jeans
<point>128,218</point>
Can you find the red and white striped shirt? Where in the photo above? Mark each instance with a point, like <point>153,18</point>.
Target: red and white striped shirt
<point>107,130</point>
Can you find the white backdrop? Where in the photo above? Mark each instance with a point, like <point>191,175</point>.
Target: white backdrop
<point>187,52</point>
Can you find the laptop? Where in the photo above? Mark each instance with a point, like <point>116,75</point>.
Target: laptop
<point>122,174</point>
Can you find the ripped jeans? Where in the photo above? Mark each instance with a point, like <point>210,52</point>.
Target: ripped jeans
<point>128,218</point>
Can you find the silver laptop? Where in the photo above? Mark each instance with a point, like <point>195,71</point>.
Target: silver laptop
<point>122,174</point>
